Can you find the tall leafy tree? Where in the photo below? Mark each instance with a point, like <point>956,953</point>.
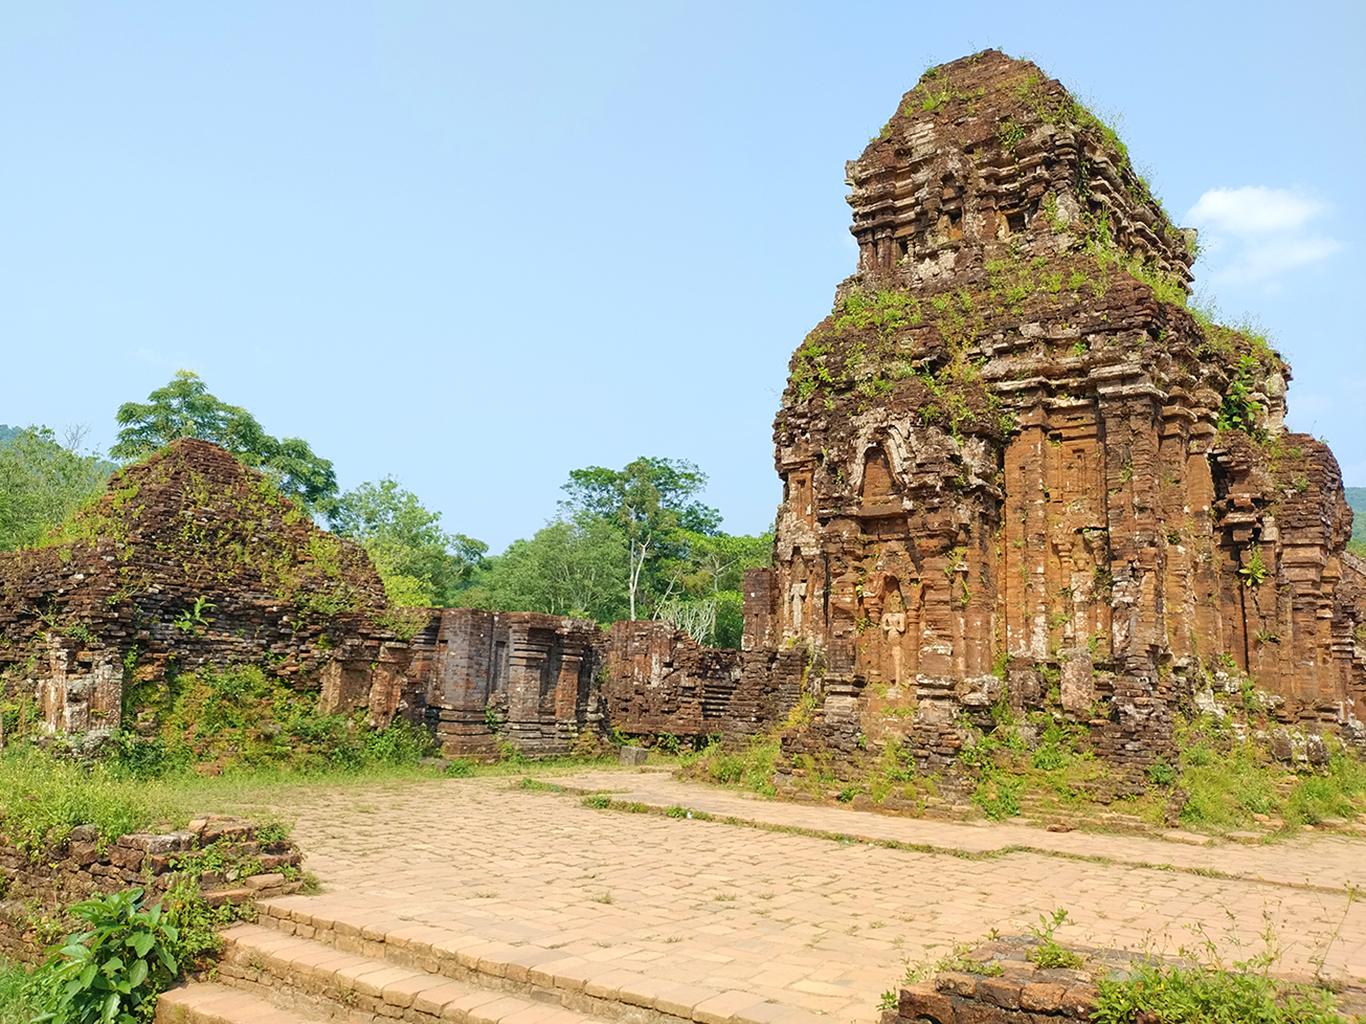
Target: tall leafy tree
<point>711,563</point>
<point>704,594</point>
<point>568,568</point>
<point>421,565</point>
<point>185,408</point>
<point>41,483</point>
<point>630,542</point>
<point>650,501</point>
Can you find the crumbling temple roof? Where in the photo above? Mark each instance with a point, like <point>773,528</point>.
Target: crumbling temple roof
<point>1017,467</point>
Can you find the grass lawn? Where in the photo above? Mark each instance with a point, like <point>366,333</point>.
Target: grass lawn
<point>15,1008</point>
<point>42,798</point>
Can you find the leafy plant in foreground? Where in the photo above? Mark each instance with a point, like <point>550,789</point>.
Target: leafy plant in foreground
<point>112,973</point>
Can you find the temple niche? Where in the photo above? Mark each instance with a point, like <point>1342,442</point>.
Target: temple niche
<point>1017,468</point>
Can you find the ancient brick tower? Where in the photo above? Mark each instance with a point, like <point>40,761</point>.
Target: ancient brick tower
<point>1012,458</point>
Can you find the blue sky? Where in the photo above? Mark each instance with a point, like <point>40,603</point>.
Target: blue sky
<point>477,246</point>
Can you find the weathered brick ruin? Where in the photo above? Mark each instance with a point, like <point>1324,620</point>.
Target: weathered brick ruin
<point>189,560</point>
<point>1015,464</point>
<point>659,680</point>
<point>997,983</point>
<point>1017,471</point>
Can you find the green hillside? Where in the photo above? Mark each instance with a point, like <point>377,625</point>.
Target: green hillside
<point>1356,497</point>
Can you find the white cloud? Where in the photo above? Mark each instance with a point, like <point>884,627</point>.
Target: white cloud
<point>1254,210</point>
<point>1254,234</point>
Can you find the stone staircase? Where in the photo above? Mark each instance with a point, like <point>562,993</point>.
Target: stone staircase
<point>266,975</point>
<point>292,967</point>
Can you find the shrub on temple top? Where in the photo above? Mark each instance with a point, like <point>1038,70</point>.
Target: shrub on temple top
<point>184,408</point>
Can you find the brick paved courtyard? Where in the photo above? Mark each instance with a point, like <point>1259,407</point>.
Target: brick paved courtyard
<point>814,923</point>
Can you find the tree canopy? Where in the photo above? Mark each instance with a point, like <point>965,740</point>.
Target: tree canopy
<point>629,543</point>
<point>421,565</point>
<point>651,502</point>
<point>568,568</point>
<point>705,582</point>
<point>41,483</point>
<point>185,408</point>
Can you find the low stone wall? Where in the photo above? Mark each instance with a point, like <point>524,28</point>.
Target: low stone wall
<point>998,983</point>
<point>233,863</point>
<point>1010,989</point>
<point>657,680</point>
<point>954,998</point>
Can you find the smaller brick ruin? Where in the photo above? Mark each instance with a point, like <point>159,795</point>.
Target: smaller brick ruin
<point>999,982</point>
<point>187,560</point>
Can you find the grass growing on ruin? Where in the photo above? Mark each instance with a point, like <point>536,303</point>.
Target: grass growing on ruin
<point>750,767</point>
<point>1229,782</point>
<point>244,718</point>
<point>1153,992</point>
<point>1225,781</point>
<point>1220,783</point>
<point>1199,986</point>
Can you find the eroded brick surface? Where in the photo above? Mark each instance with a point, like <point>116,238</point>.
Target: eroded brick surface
<point>37,885</point>
<point>1012,460</point>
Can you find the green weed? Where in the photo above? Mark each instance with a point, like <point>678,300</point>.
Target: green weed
<point>1155,992</point>
<point>536,785</point>
<point>114,970</point>
<point>1048,953</point>
<point>1229,781</point>
<point>749,768</point>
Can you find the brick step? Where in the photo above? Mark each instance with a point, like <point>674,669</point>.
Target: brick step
<point>318,982</point>
<point>595,989</point>
<point>202,1002</point>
